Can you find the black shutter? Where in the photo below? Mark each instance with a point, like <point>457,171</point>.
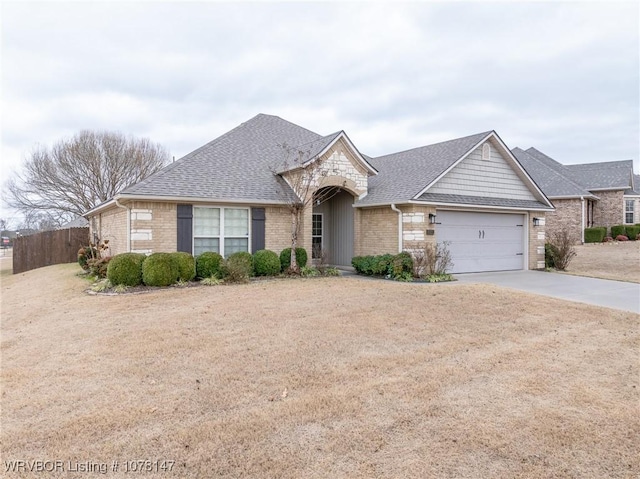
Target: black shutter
<point>185,228</point>
<point>257,229</point>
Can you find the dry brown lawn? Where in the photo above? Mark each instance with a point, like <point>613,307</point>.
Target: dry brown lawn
<point>617,260</point>
<point>318,378</point>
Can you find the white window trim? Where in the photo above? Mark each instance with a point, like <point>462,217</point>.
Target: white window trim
<point>632,212</point>
<point>221,237</point>
<point>316,236</point>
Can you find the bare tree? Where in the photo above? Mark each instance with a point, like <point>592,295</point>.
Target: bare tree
<point>78,174</point>
<point>307,179</point>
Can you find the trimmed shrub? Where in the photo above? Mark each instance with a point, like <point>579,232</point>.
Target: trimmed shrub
<point>622,238</point>
<point>632,232</point>
<point>160,269</point>
<point>186,265</point>
<point>238,267</point>
<point>126,269</point>
<point>618,230</point>
<point>266,263</point>
<point>595,235</point>
<point>396,266</point>
<point>208,264</point>
<point>285,258</point>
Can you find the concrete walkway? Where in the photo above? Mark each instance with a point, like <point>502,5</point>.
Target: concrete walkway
<point>600,292</point>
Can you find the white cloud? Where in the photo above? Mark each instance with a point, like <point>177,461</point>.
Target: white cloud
<point>563,76</point>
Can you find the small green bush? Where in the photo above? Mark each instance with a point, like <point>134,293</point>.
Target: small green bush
<point>160,269</point>
<point>618,230</point>
<point>266,263</point>
<point>186,265</point>
<point>632,232</point>
<point>238,267</point>
<point>309,272</point>
<point>208,264</point>
<point>285,258</point>
<point>595,235</point>
<point>395,266</point>
<point>126,269</point>
<point>550,253</point>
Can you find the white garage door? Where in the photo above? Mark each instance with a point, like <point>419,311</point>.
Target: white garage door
<point>482,241</point>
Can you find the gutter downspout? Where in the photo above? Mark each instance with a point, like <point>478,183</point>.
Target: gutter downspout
<point>582,220</point>
<point>393,207</point>
<point>128,224</point>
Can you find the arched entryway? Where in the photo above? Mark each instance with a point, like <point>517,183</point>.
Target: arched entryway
<point>333,225</point>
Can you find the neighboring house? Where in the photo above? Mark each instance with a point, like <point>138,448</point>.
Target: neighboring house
<point>584,195</point>
<point>77,222</point>
<point>232,193</point>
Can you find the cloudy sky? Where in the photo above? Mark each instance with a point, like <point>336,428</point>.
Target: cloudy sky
<point>563,77</point>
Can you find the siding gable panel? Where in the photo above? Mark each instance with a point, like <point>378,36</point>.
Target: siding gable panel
<point>491,178</point>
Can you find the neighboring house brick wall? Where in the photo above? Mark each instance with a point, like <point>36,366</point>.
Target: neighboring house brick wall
<point>378,228</point>
<point>567,215</point>
<point>609,210</point>
<point>153,227</point>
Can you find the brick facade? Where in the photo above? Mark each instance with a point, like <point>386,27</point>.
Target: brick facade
<point>377,231</point>
<point>568,215</point>
<point>153,227</point>
<point>609,209</point>
<point>111,225</point>
<point>537,239</point>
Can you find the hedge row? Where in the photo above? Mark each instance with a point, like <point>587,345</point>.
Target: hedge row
<point>595,235</point>
<point>599,234</point>
<point>164,269</point>
<point>391,265</point>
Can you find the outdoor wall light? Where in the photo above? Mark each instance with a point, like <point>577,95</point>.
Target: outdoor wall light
<point>536,221</point>
<point>432,219</point>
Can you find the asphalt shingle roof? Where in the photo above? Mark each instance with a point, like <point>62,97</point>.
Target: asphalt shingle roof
<point>610,174</point>
<point>636,186</point>
<point>591,176</point>
<point>237,166</point>
<point>482,201</point>
<point>548,176</point>
<point>401,176</point>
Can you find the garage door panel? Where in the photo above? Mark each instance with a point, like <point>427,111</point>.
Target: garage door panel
<point>482,241</point>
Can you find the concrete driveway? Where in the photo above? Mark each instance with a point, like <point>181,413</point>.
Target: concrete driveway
<point>600,292</point>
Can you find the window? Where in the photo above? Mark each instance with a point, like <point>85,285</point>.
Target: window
<point>486,151</point>
<point>222,230</point>
<point>316,235</point>
<point>628,211</point>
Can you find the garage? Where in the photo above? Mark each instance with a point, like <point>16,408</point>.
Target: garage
<point>481,242</point>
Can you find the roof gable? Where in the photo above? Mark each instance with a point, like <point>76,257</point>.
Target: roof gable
<point>483,172</point>
<point>304,155</point>
<point>404,175</point>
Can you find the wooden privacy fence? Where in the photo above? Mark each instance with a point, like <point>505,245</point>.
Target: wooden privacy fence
<point>47,248</point>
